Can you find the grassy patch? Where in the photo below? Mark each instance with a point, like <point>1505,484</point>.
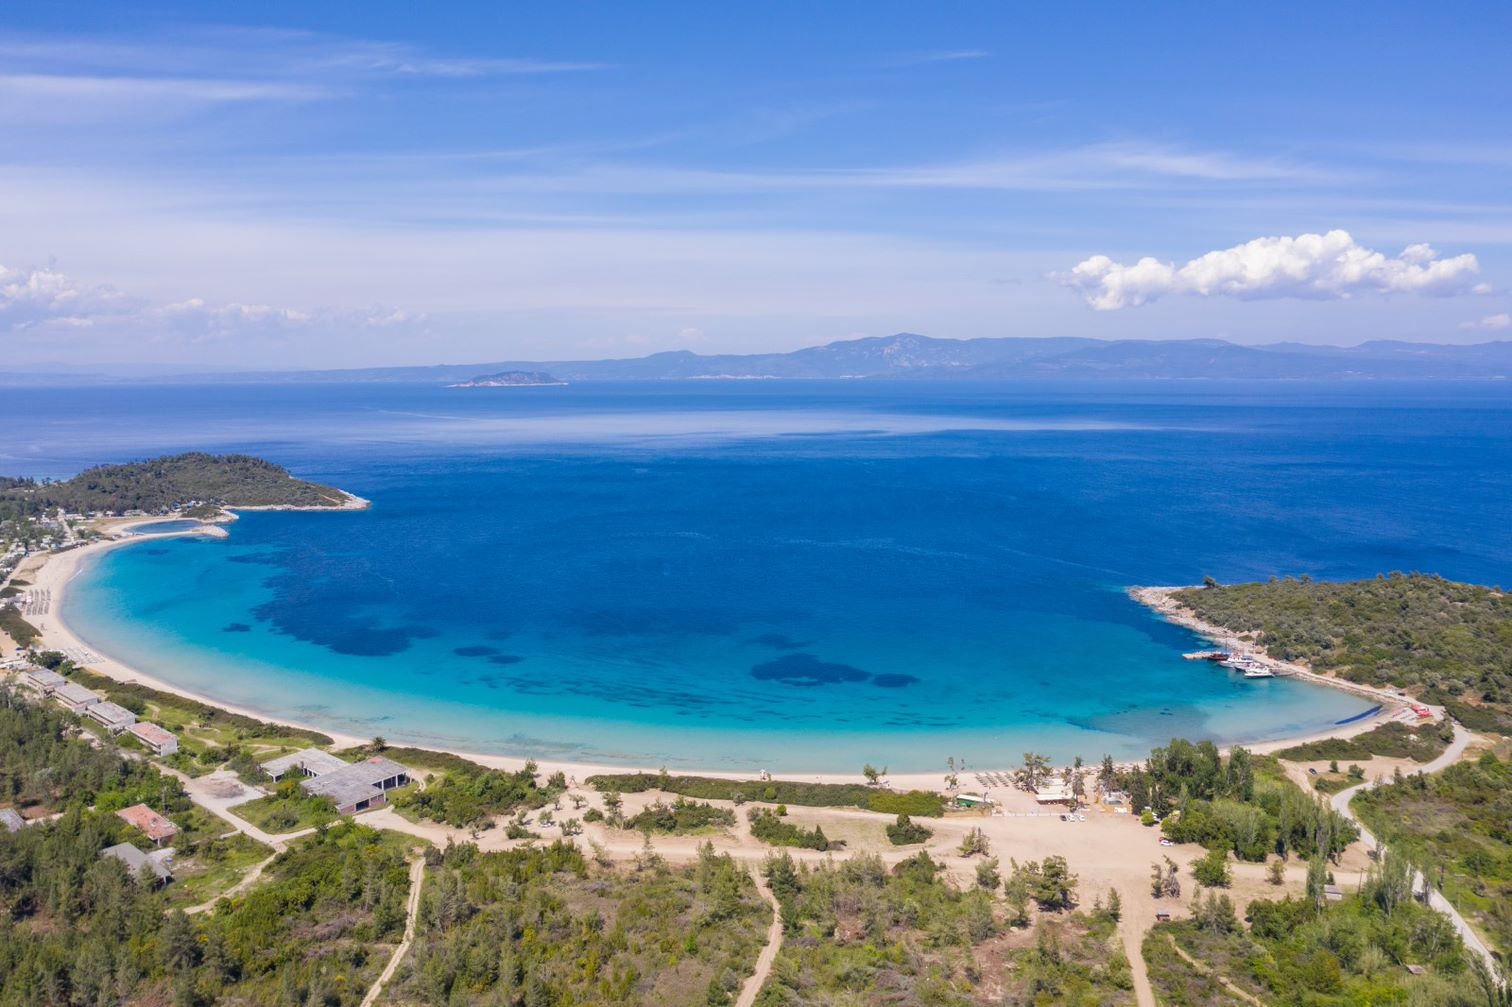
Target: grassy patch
<point>818,795</point>
<point>288,809</point>
<point>212,867</point>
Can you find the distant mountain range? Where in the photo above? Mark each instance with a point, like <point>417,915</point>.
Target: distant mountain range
<point>914,357</point>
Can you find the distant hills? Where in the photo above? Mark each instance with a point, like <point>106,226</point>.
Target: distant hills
<point>915,357</point>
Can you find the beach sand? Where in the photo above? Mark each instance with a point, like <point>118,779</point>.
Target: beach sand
<point>55,572</point>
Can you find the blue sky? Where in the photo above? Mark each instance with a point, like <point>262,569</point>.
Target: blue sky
<point>324,184</point>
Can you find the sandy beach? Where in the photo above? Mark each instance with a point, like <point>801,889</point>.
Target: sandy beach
<point>54,572</point>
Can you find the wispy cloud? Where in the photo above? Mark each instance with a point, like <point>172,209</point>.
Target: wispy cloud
<point>942,56</point>
<point>1489,323</point>
<point>1330,266</point>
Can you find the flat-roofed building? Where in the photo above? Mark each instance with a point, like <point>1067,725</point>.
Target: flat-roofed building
<point>359,786</point>
<point>41,680</point>
<point>306,762</point>
<point>159,740</point>
<point>153,825</point>
<point>74,697</point>
<point>114,718</point>
<point>156,865</point>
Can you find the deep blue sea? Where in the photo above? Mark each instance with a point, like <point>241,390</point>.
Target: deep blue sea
<point>781,575</point>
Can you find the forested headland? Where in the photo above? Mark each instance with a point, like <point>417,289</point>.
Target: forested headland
<point>169,483</point>
<point>1447,643</point>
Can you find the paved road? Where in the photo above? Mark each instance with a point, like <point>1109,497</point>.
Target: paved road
<point>1451,755</point>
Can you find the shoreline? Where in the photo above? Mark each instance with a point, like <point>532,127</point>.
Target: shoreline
<point>57,570</point>
<point>1160,600</point>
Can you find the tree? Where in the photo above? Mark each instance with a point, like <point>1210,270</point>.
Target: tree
<point>905,831</point>
<point>1036,769</point>
<point>873,774</point>
<point>1276,874</point>
<point>1213,870</point>
<point>975,843</point>
<point>1115,905</point>
<point>1055,885</point>
<point>987,875</point>
<point>1107,775</point>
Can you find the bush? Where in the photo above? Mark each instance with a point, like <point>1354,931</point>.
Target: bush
<point>905,832</point>
<point>917,803</point>
<point>682,816</point>
<point>767,827</point>
<point>1213,870</point>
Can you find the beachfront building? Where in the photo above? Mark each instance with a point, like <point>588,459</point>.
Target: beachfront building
<point>156,865</point>
<point>153,825</point>
<point>353,786</point>
<point>42,681</point>
<point>114,718</point>
<point>359,786</point>
<point>1054,793</point>
<point>75,698</point>
<point>158,741</point>
<point>307,762</point>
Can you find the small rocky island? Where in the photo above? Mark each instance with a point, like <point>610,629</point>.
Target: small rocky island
<point>510,379</point>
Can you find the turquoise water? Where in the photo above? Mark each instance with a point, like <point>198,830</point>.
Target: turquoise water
<point>795,577</point>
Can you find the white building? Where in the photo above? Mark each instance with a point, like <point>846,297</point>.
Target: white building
<point>75,698</point>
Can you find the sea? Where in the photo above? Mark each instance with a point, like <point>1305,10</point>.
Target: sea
<point>789,576</point>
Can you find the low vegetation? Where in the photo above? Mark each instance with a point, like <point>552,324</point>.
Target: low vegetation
<point>1393,741</point>
<point>1457,824</point>
<point>682,817</point>
<point>469,796</point>
<point>167,483</point>
<point>547,925</point>
<point>288,809</point>
<point>1448,643</point>
<point>906,832</point>
<point>858,933</point>
<point>1311,953</point>
<point>816,795</point>
<point>773,829</point>
<point>17,628</point>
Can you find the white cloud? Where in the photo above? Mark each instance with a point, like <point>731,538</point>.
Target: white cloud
<point>44,301</point>
<point>29,297</point>
<point>1490,323</point>
<point>1330,266</point>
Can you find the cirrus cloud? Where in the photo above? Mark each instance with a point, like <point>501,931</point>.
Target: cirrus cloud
<point>1330,266</point>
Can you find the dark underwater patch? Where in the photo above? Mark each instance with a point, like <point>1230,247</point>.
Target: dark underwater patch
<point>806,671</point>
<point>236,627</point>
<point>504,658</point>
<point>475,650</point>
<point>893,681</point>
<point>779,642</point>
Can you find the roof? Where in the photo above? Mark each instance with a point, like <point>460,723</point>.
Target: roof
<point>75,693</point>
<point>343,791</point>
<point>45,677</point>
<point>153,824</point>
<point>151,733</point>
<point>107,711</point>
<point>356,781</point>
<point>135,860</point>
<point>310,759</point>
<point>11,819</point>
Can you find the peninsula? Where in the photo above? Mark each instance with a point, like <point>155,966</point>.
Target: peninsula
<point>173,483</point>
